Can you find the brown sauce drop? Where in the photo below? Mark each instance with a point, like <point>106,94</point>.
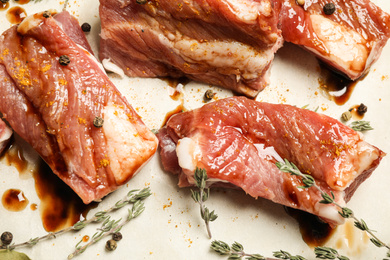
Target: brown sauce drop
<point>4,6</point>
<point>177,110</point>
<point>33,207</point>
<point>336,87</point>
<point>314,232</point>
<point>60,206</point>
<point>355,114</point>
<point>16,15</point>
<point>14,156</point>
<point>173,83</point>
<point>14,200</point>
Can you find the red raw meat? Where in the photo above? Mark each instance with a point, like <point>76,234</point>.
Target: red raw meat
<point>53,106</point>
<point>227,43</point>
<point>350,40</point>
<point>238,141</point>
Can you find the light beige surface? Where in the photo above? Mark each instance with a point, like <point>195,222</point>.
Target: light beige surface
<point>171,227</point>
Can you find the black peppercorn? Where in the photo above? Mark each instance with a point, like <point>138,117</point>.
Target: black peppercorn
<point>6,238</point>
<point>98,122</point>
<point>208,95</point>
<point>111,245</point>
<point>329,8</point>
<point>46,14</point>
<point>117,236</point>
<point>86,27</point>
<point>64,60</point>
<point>362,109</point>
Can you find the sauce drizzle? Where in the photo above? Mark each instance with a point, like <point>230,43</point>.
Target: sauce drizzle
<point>14,200</point>
<point>16,15</point>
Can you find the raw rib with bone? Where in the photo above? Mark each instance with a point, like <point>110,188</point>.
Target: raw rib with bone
<point>53,102</point>
<point>238,141</point>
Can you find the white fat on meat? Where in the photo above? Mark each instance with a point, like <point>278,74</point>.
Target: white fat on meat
<point>330,213</point>
<point>224,55</point>
<point>345,47</point>
<point>125,146</point>
<point>188,154</point>
<point>111,67</point>
<point>267,153</point>
<point>248,11</point>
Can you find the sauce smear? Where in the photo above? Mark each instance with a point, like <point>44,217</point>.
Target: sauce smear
<point>60,206</point>
<point>336,87</point>
<point>177,110</point>
<point>314,232</point>
<point>23,2</point>
<point>14,200</point>
<point>16,15</point>
<point>14,156</point>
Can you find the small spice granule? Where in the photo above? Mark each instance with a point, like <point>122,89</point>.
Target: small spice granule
<point>46,14</point>
<point>362,109</point>
<point>329,8</point>
<point>86,27</point>
<point>111,245</point>
<point>98,122</point>
<point>346,116</point>
<point>6,238</point>
<point>117,236</point>
<point>208,95</point>
<point>64,60</point>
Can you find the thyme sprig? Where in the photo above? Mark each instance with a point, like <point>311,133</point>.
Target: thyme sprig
<point>361,126</point>
<point>328,253</point>
<point>345,212</point>
<point>110,227</point>
<point>236,251</point>
<point>201,196</point>
<point>100,216</point>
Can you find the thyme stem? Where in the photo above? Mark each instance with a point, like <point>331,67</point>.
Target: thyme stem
<point>98,217</point>
<point>345,212</point>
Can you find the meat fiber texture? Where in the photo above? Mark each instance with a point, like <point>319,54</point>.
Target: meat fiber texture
<point>5,135</point>
<point>53,106</point>
<point>350,40</point>
<point>238,141</point>
<point>227,43</point>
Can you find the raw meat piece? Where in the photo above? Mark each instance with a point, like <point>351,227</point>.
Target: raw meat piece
<point>228,43</point>
<point>53,106</point>
<point>238,141</point>
<point>5,135</point>
<point>350,40</point>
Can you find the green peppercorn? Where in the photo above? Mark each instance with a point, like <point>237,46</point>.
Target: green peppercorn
<point>362,109</point>
<point>64,60</point>
<point>346,116</point>
<point>86,27</point>
<point>117,236</point>
<point>6,238</point>
<point>329,8</point>
<point>98,122</point>
<point>111,245</point>
<point>208,95</point>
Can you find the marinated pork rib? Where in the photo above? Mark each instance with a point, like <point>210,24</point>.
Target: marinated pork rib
<point>238,141</point>
<point>5,135</point>
<point>350,40</point>
<point>56,106</point>
<point>227,43</point>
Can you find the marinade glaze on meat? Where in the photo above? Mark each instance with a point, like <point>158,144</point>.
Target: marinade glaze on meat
<point>53,106</point>
<point>227,43</point>
<point>238,141</point>
<point>350,40</point>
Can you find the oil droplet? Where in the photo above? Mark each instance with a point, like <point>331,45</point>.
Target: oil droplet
<point>16,15</point>
<point>14,200</point>
<point>85,238</point>
<point>33,207</point>
<point>4,6</point>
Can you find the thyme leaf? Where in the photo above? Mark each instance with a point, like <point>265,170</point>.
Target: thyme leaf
<point>328,253</point>
<point>361,126</point>
<point>345,212</point>
<point>201,196</point>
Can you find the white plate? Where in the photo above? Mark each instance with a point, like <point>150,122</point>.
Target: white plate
<point>171,227</point>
